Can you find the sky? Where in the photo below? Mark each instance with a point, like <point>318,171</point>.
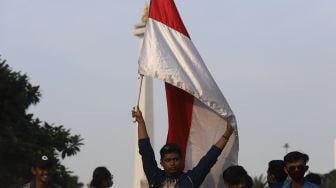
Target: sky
<point>274,61</point>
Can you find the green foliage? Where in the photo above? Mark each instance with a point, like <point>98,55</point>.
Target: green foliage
<point>23,137</point>
<point>329,179</point>
<point>259,181</point>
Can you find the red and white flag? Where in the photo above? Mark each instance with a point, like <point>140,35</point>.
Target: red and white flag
<point>197,110</point>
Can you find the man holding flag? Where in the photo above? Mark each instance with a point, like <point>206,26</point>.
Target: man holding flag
<point>171,160</point>
<point>198,113</point>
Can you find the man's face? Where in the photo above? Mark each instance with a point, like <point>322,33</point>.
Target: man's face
<point>270,178</point>
<point>296,170</point>
<point>41,174</point>
<point>171,163</point>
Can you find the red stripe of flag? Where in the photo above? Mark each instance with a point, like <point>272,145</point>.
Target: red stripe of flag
<point>180,106</point>
<point>166,12</point>
<point>179,102</point>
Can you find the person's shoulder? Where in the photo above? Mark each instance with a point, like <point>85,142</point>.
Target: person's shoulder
<point>310,185</point>
<point>287,185</point>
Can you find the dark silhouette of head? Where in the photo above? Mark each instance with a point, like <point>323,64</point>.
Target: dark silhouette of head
<point>314,178</point>
<point>295,156</point>
<point>237,176</point>
<point>295,165</point>
<point>101,178</point>
<point>276,172</point>
<point>249,182</point>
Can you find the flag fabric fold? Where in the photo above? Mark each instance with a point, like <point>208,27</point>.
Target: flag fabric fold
<point>197,109</point>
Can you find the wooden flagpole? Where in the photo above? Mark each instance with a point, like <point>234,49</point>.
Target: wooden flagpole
<point>140,86</point>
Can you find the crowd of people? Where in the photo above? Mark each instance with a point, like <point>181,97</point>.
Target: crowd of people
<point>286,173</point>
<point>293,165</point>
<point>101,177</point>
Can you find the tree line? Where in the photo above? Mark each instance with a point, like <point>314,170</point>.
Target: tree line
<point>23,136</point>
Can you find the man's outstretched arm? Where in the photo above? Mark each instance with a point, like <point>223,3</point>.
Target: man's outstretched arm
<point>223,140</point>
<point>153,173</point>
<point>199,172</point>
<point>142,131</point>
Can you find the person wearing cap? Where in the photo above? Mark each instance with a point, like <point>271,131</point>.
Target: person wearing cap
<point>172,174</point>
<point>40,170</point>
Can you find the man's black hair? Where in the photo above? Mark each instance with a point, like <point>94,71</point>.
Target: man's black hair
<point>296,156</point>
<point>248,181</point>
<point>235,175</point>
<point>100,174</point>
<point>276,168</point>
<point>170,148</point>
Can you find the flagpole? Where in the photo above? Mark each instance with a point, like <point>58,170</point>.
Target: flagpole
<point>139,92</point>
<point>140,86</point>
<point>145,103</point>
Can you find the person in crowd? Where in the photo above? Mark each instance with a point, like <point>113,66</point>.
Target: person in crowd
<point>40,170</point>
<point>236,177</point>
<point>276,175</point>
<point>172,174</point>
<point>314,178</point>
<point>101,178</point>
<point>296,167</point>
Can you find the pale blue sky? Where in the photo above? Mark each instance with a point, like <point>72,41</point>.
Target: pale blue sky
<point>275,62</point>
